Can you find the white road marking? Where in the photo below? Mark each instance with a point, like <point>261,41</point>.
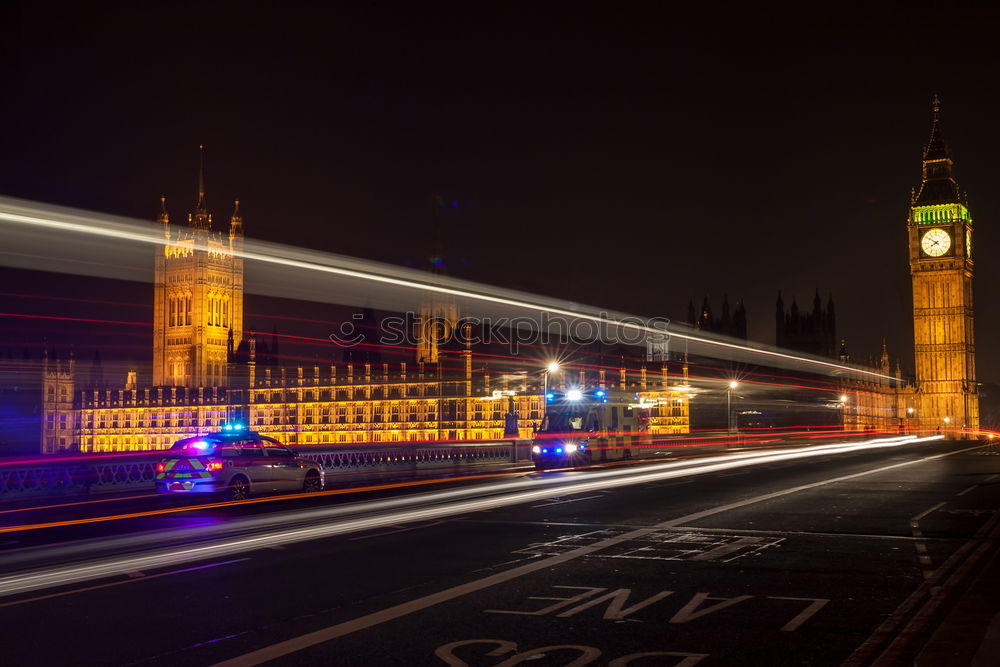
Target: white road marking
<point>307,640</point>
<point>815,604</point>
<point>616,600</point>
<point>926,565</point>
<point>690,659</point>
<point>402,529</point>
<point>928,511</point>
<point>726,549</point>
<point>693,609</point>
<point>563,502</point>
<point>561,602</point>
<point>962,493</point>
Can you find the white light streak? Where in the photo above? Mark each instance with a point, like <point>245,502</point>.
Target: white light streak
<point>80,222</point>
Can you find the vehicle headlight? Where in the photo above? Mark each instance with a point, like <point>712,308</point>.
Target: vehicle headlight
<point>536,450</point>
<point>570,447</point>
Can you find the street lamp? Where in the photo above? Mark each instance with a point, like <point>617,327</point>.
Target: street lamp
<point>733,384</point>
<point>551,368</point>
<point>910,412</point>
<point>843,398</point>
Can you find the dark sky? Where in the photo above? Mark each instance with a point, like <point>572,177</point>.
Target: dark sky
<point>630,160</point>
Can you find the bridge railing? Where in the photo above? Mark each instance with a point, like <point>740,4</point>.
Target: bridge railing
<point>137,471</point>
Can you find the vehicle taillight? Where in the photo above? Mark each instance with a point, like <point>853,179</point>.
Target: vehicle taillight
<point>160,467</point>
<point>215,465</point>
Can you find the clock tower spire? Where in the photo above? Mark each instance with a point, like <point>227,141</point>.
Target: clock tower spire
<point>939,230</point>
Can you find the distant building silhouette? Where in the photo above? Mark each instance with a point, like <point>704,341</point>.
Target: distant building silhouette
<point>813,333</point>
<point>728,323</point>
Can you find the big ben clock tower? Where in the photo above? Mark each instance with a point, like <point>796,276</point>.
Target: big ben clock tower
<point>940,245</point>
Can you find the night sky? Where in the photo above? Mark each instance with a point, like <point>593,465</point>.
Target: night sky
<point>628,160</point>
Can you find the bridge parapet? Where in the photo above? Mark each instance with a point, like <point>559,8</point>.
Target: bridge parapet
<point>111,473</point>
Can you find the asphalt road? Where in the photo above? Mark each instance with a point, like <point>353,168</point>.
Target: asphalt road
<point>811,561</point>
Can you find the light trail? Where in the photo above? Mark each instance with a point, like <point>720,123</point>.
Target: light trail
<point>30,215</point>
<point>248,501</point>
<point>708,440</point>
<point>337,520</point>
<point>88,320</point>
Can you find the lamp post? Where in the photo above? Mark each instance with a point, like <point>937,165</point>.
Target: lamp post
<point>552,367</point>
<point>844,410</point>
<point>733,384</point>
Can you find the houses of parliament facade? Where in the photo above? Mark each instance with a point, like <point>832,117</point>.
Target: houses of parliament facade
<point>208,372</point>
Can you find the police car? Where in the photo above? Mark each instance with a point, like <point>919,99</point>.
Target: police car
<point>235,462</point>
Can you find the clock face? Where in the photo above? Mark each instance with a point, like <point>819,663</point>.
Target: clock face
<point>935,242</point>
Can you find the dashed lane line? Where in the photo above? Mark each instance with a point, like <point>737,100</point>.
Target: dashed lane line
<point>929,510</point>
<point>564,502</point>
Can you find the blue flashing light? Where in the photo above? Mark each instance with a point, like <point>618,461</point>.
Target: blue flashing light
<point>237,427</point>
<point>545,451</point>
<point>550,395</point>
<point>558,450</point>
<point>599,393</point>
<point>227,427</point>
<point>582,446</point>
<point>199,444</point>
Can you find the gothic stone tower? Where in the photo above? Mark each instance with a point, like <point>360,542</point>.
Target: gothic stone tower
<point>198,299</point>
<point>58,416</point>
<point>940,245</point>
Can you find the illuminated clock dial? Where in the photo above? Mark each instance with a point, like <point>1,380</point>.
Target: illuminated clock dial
<point>935,242</point>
